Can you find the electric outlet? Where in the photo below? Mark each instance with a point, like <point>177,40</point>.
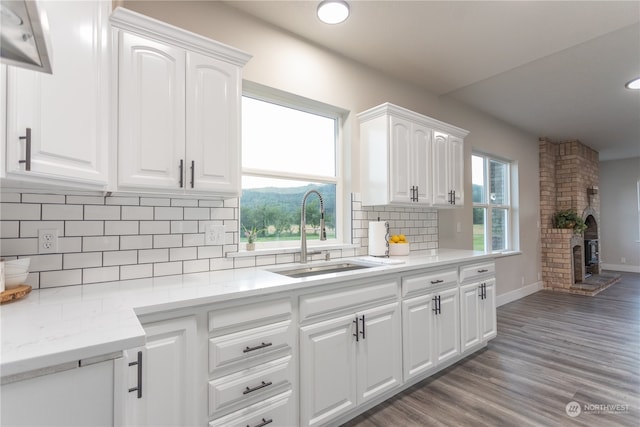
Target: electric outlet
<point>214,234</point>
<point>48,241</point>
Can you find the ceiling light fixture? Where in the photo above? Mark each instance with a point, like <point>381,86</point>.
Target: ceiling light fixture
<point>333,11</point>
<point>633,84</point>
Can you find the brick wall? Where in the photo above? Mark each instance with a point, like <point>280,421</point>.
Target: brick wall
<point>567,170</point>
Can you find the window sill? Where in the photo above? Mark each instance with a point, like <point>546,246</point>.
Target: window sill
<point>505,254</point>
<point>290,250</point>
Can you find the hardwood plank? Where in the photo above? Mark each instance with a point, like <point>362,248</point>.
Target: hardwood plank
<point>552,348</point>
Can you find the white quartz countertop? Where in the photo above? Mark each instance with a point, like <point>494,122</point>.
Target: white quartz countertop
<point>60,325</point>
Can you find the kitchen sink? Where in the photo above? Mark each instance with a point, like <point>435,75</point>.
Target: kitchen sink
<point>316,270</point>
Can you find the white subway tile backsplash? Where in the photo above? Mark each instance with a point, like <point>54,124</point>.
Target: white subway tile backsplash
<point>181,227</point>
<point>6,197</point>
<point>45,262</point>
<point>30,228</point>
<point>211,204</point>
<point>119,258</point>
<point>69,244</point>
<point>167,268</point>
<point>66,212</point>
<point>153,255</point>
<point>19,247</point>
<point>102,274</point>
<point>9,229</point>
<point>85,200</point>
<point>180,254</point>
<point>167,241</point>
<point>151,201</point>
<point>43,198</point>
<point>138,271</point>
<point>123,201</point>
<point>210,252</point>
<point>101,212</point>
<point>82,260</point>
<point>50,279</point>
<point>136,242</point>
<point>231,203</point>
<point>101,243</point>
<point>137,212</point>
<point>195,266</point>
<point>120,228</point>
<point>155,227</point>
<point>19,211</point>
<point>162,213</point>
<point>84,228</point>
<point>184,202</point>
<point>222,213</point>
<point>197,213</point>
<point>193,240</point>
<point>220,264</point>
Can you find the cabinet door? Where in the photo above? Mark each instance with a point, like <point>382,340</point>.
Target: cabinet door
<point>67,111</point>
<point>421,163</point>
<point>169,389</point>
<point>447,326</point>
<point>213,125</point>
<point>379,351</point>
<point>470,312</point>
<point>400,162</point>
<point>417,336</point>
<point>440,178</point>
<point>327,370</point>
<point>489,323</point>
<point>456,165</point>
<point>151,114</point>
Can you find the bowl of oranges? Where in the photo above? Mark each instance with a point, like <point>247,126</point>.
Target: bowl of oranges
<point>398,245</point>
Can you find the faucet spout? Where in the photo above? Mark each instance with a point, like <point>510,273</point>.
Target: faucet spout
<point>303,224</point>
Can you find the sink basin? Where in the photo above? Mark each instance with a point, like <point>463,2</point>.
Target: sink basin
<point>316,270</point>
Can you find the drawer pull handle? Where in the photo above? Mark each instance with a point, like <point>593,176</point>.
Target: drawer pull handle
<point>138,387</point>
<point>258,387</point>
<point>435,282</point>
<point>27,139</point>
<point>484,270</point>
<point>263,423</point>
<point>258,347</point>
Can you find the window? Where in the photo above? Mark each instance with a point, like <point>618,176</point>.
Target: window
<point>491,204</point>
<point>289,146</point>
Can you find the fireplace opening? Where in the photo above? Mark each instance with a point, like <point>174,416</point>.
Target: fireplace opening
<point>578,274</point>
<point>591,251</point>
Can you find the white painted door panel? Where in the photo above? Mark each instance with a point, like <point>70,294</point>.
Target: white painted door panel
<point>448,326</point>
<point>400,162</point>
<point>470,301</point>
<point>489,322</point>
<point>418,339</point>
<point>421,162</point>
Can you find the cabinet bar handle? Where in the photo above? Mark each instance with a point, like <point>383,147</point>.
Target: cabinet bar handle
<point>437,309</point>
<point>435,282</point>
<point>439,304</point>
<point>139,364</point>
<point>193,170</point>
<point>357,334</point>
<point>484,291</point>
<point>484,270</point>
<point>27,161</point>
<point>453,197</point>
<point>258,387</point>
<point>258,347</point>
<point>263,423</point>
<point>181,173</point>
<point>417,194</point>
<point>363,327</point>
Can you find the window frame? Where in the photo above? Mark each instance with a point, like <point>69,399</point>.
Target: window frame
<point>274,96</point>
<point>489,207</point>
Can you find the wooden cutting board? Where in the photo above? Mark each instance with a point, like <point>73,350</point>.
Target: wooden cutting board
<point>15,293</point>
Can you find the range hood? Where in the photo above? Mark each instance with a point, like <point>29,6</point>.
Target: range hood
<point>24,35</point>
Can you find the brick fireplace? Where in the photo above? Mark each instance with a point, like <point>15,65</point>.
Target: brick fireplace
<point>569,175</point>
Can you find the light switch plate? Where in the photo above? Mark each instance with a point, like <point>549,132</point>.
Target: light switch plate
<point>214,234</point>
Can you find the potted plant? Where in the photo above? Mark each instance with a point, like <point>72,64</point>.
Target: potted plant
<point>251,234</point>
<point>569,219</point>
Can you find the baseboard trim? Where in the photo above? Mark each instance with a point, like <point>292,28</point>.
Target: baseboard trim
<point>621,267</point>
<point>518,293</point>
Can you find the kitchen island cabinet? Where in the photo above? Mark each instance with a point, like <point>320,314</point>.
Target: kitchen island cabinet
<point>178,109</point>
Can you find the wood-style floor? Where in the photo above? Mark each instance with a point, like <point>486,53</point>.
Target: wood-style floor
<point>551,349</point>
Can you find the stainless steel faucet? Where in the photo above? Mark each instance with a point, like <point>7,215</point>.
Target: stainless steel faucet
<point>303,224</point>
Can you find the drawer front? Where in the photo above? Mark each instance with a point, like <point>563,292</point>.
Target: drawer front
<point>316,305</point>
<point>250,314</point>
<point>246,345</point>
<point>475,271</point>
<point>248,386</point>
<point>276,411</point>
<point>415,284</point>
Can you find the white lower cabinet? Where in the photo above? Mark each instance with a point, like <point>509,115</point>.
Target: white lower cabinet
<point>478,310</point>
<point>348,360</point>
<point>80,396</point>
<point>275,412</point>
<point>161,377</point>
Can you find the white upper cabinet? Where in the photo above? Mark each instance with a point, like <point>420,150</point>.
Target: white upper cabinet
<point>178,109</point>
<point>67,111</point>
<point>403,164</point>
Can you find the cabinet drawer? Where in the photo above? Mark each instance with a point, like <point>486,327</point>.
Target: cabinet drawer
<point>246,345</point>
<point>249,315</point>
<point>249,385</point>
<point>415,284</point>
<point>276,411</point>
<point>471,272</point>
<point>328,302</point>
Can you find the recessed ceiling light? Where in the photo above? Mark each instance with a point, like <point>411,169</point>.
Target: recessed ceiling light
<point>333,11</point>
<point>633,84</point>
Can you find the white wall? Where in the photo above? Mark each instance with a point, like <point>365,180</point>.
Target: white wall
<point>619,234</point>
<point>288,63</point>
